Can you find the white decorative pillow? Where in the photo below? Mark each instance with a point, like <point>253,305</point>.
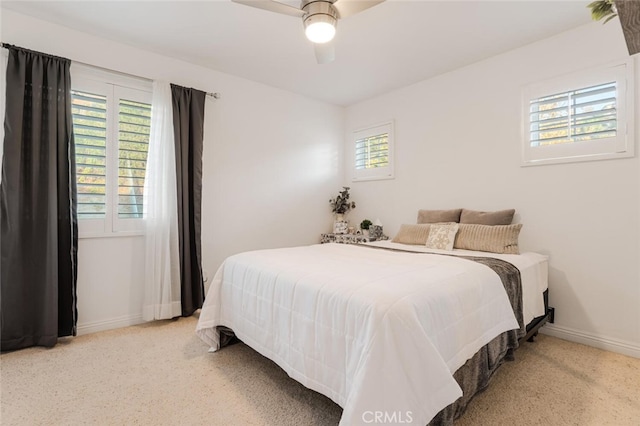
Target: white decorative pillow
<point>442,236</point>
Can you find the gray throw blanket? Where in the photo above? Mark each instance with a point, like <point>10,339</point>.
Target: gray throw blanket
<point>475,374</point>
<point>512,282</point>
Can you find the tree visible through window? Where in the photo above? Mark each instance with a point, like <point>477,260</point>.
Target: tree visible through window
<point>89,113</point>
<point>373,152</point>
<point>579,115</point>
<point>134,128</point>
<point>90,130</point>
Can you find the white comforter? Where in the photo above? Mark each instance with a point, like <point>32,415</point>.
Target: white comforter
<point>374,330</point>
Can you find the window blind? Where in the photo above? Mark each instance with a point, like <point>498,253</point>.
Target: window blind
<point>134,125</point>
<point>372,152</point>
<point>89,112</point>
<point>575,116</point>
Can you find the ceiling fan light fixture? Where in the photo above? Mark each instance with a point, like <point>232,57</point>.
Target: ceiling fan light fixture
<point>320,32</point>
<point>320,21</point>
<point>319,17</point>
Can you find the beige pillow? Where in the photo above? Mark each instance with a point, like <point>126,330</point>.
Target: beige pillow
<point>442,236</point>
<point>494,239</point>
<point>500,217</point>
<point>439,216</point>
<point>412,234</point>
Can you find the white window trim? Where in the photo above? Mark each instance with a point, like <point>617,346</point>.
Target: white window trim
<point>600,149</point>
<point>380,173</point>
<point>102,75</point>
<point>84,77</point>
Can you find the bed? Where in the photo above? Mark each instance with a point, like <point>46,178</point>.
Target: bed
<point>383,329</point>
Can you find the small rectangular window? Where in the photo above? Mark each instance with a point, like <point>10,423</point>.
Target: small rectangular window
<point>581,117</point>
<point>373,152</point>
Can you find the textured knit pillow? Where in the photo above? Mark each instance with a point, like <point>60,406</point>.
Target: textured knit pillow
<point>500,217</point>
<point>439,216</point>
<point>412,234</point>
<point>494,239</point>
<point>442,236</point>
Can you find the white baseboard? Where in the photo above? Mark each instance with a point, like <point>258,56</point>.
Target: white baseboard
<point>606,343</point>
<point>110,324</point>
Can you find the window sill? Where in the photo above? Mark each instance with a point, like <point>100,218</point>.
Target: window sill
<point>369,178</point>
<point>123,234</point>
<point>577,159</point>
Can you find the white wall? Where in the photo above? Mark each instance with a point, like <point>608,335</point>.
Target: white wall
<point>458,145</point>
<point>271,161</point>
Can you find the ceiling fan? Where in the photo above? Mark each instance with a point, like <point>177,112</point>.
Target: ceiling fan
<point>319,17</point>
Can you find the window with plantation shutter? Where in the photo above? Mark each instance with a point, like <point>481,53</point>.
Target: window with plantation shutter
<point>580,117</point>
<point>373,152</point>
<point>134,128</point>
<point>89,112</point>
<point>112,124</point>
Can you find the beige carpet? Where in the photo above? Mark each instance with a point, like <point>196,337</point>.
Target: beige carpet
<point>162,374</point>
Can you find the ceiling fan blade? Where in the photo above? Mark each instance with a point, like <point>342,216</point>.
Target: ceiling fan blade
<point>325,52</point>
<point>351,7</point>
<point>273,6</point>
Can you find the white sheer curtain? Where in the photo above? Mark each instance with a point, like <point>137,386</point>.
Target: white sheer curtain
<point>162,267</point>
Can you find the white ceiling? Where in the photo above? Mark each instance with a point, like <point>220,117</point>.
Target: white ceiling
<point>394,44</point>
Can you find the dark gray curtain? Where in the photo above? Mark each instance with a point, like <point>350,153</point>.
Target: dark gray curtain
<point>38,203</point>
<point>188,128</point>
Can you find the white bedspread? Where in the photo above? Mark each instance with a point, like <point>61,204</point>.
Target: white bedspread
<point>374,330</point>
<point>534,272</point>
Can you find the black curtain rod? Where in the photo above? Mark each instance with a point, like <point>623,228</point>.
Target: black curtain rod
<point>214,95</point>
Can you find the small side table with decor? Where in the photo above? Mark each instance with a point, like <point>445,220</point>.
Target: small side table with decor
<point>349,238</point>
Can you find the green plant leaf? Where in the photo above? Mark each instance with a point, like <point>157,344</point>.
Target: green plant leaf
<point>601,9</point>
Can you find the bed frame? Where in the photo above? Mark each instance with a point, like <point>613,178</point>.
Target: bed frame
<point>536,323</point>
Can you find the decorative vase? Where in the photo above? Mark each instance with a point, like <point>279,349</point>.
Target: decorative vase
<point>340,225</point>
